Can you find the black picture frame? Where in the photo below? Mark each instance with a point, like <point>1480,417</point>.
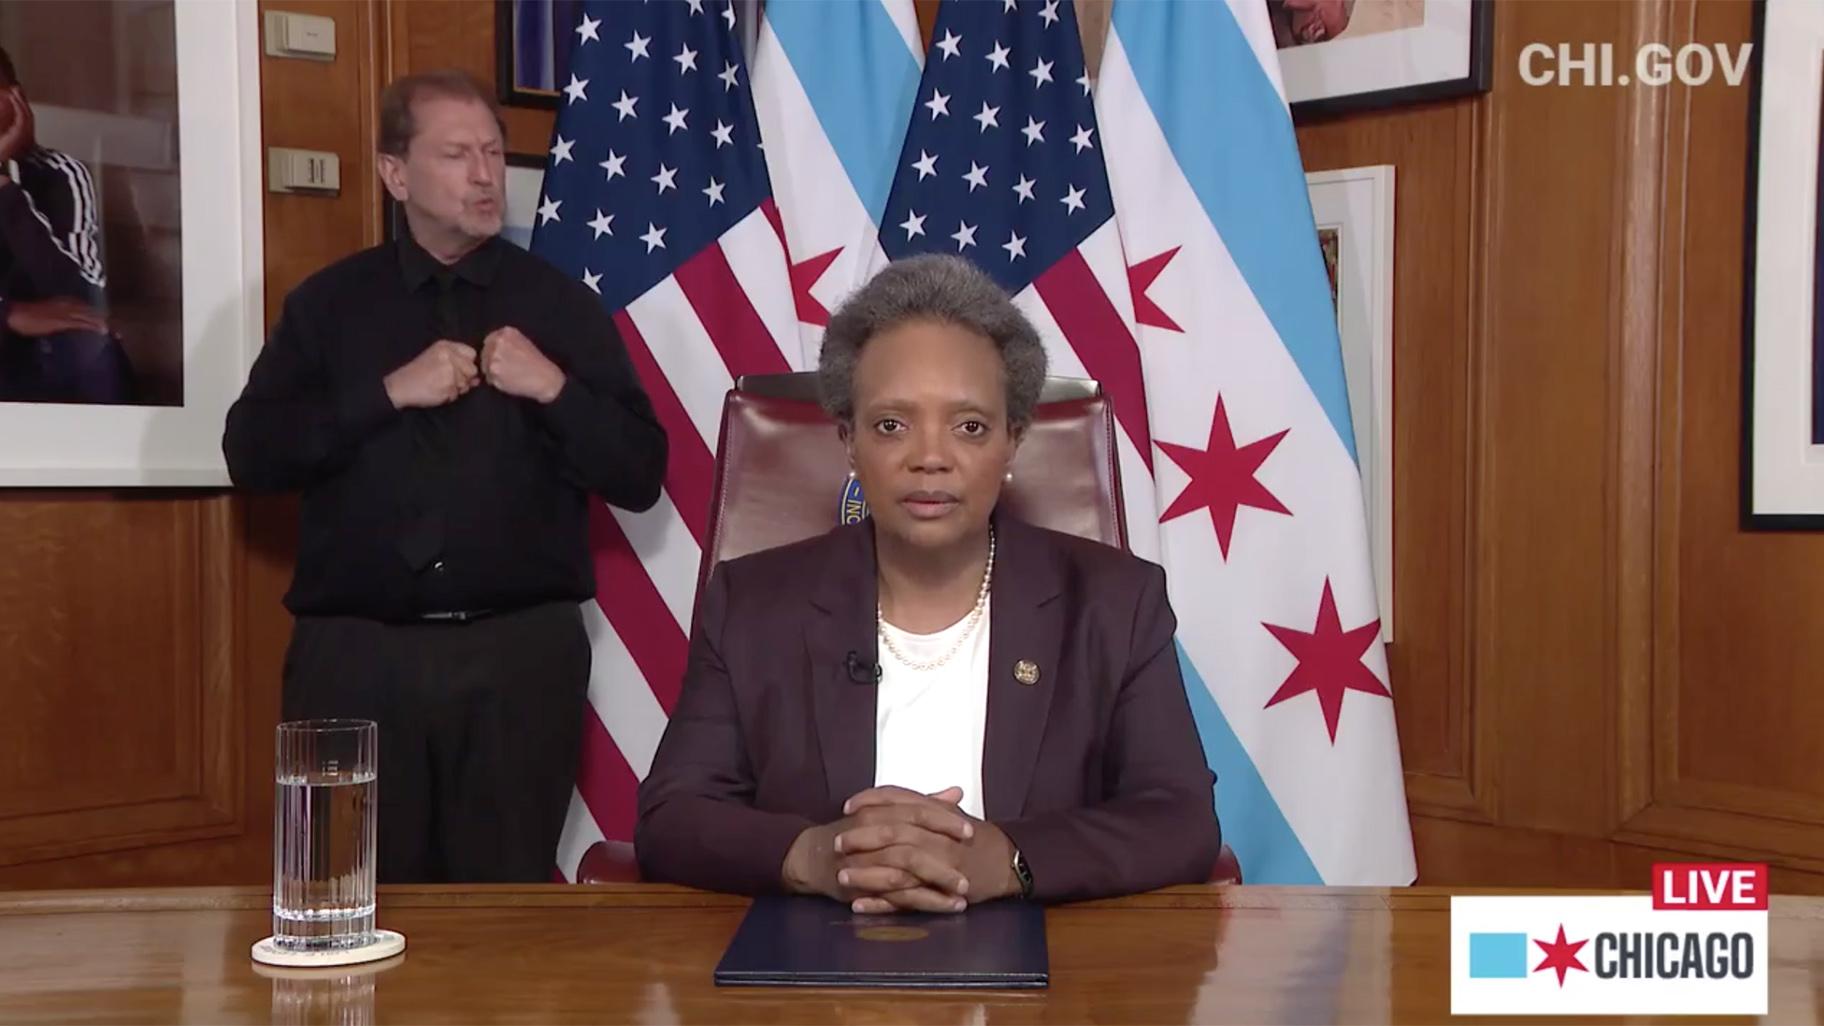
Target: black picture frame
<point>1479,79</point>
<point>507,89</point>
<point>1750,519</point>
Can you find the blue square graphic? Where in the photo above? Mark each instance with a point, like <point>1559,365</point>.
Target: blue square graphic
<point>1497,956</point>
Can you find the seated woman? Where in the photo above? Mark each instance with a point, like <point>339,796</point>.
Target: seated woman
<point>940,705</point>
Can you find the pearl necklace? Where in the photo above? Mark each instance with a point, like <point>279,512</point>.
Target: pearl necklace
<point>974,620</point>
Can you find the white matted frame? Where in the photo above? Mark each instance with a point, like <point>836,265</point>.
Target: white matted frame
<point>1357,203</point>
<point>218,89</point>
<point>1782,462</point>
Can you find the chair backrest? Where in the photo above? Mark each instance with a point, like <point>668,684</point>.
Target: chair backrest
<point>782,475</point>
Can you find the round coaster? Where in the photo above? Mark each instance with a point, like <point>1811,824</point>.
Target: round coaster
<point>385,944</point>
<point>351,972</point>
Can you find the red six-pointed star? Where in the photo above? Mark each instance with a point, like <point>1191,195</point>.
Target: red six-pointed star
<point>1222,477</point>
<point>1329,661</point>
<point>1561,955</point>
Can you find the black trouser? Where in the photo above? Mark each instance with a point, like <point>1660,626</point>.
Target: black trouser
<point>480,725</point>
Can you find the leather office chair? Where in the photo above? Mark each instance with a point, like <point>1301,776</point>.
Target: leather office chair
<point>781,477</point>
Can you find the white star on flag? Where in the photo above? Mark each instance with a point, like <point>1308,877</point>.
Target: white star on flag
<point>926,165</point>
<point>1073,200</point>
<point>602,223</point>
<point>613,165</point>
<point>654,237</point>
<point>949,44</point>
<point>687,60</point>
<point>714,192</point>
<point>1041,73</point>
<point>724,135</point>
<point>1015,246</point>
<point>977,176</point>
<point>728,76</point>
<point>637,46</point>
<point>964,236</point>
<point>675,119</point>
<point>665,179</point>
<point>938,104</point>
<point>914,224</point>
<point>625,105</point>
<point>1024,188</point>
<point>1034,131</point>
<point>989,117</point>
<point>560,151</point>
<point>593,280</point>
<point>575,89</point>
<point>1084,82</point>
<point>998,56</point>
<point>547,211</point>
<point>586,31</point>
<point>1050,13</point>
<point>1081,139</point>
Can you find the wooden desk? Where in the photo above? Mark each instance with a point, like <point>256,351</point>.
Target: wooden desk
<point>633,953</point>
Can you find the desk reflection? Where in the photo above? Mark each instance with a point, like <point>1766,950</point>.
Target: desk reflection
<point>342,996</point>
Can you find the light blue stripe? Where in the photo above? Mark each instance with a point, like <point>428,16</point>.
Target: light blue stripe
<point>1266,847</point>
<point>1234,143</point>
<point>1497,956</point>
<point>861,80</point>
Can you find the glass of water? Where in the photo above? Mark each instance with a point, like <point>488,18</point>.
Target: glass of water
<point>323,835</point>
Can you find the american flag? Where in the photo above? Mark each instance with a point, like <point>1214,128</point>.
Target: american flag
<point>656,196</point>
<point>1003,164</point>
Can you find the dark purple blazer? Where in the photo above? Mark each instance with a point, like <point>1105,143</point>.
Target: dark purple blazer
<point>1095,772</point>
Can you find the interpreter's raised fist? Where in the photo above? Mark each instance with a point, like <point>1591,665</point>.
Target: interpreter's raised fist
<point>512,364</point>
<point>441,374</point>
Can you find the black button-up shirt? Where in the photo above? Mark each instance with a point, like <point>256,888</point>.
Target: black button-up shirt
<point>480,504</point>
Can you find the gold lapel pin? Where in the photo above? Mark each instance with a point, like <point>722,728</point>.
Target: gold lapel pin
<point>1026,672</point>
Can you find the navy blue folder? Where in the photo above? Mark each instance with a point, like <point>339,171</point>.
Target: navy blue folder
<point>815,942</point>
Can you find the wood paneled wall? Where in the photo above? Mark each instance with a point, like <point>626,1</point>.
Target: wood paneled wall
<point>1595,667</point>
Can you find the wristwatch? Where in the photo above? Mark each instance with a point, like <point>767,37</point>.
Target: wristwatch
<point>1022,873</point>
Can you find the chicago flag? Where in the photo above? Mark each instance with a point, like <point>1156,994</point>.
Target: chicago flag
<point>1262,530</point>
<point>833,84</point>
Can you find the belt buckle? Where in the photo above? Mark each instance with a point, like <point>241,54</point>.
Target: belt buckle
<point>454,616</point>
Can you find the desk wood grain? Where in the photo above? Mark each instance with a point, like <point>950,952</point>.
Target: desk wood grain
<point>644,953</point>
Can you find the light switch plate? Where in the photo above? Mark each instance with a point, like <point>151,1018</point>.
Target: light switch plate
<point>307,171</point>
<point>309,36</point>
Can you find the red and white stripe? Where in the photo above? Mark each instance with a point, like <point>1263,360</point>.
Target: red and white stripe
<point>1085,315</point>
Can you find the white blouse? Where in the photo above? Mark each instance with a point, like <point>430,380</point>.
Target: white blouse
<point>928,724</point>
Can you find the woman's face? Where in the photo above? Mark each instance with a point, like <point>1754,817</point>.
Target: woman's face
<point>930,443</point>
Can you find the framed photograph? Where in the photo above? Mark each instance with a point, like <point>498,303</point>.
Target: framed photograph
<point>1353,209</point>
<point>525,186</point>
<point>1783,294</point>
<point>532,42</point>
<point>133,292</point>
<point>1342,55</point>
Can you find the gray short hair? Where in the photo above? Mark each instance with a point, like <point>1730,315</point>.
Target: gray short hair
<point>935,287</point>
